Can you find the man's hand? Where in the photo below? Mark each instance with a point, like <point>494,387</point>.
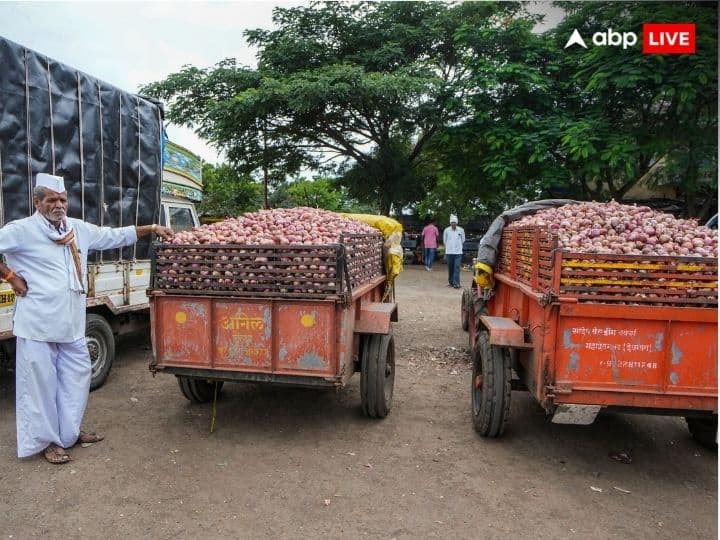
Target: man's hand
<point>19,286</point>
<point>164,232</point>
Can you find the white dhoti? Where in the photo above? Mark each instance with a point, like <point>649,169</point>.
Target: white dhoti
<point>52,383</point>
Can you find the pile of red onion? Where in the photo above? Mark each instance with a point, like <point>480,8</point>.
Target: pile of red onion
<point>620,229</point>
<point>308,226</point>
<point>186,264</point>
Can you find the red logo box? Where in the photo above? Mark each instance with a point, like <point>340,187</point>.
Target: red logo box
<point>669,38</point>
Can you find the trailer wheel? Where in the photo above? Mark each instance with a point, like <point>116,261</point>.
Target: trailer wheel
<point>704,430</point>
<point>465,308</point>
<point>377,374</point>
<point>198,390</point>
<point>490,388</point>
<point>101,348</point>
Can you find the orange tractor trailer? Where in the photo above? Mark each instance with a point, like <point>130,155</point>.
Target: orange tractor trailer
<point>279,314</point>
<point>585,332</point>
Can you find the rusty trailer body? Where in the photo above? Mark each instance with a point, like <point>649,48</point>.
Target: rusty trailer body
<point>585,332</point>
<point>296,315</point>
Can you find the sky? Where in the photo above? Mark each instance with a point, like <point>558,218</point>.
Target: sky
<point>128,44</point>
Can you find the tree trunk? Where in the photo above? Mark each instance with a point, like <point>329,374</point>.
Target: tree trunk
<point>265,168</point>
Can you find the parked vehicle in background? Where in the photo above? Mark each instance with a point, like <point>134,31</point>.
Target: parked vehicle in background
<point>412,248</point>
<point>181,187</point>
<point>108,145</point>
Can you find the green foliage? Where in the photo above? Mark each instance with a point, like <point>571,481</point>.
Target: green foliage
<point>460,107</point>
<point>586,123</point>
<point>629,112</point>
<point>505,151</point>
<point>228,194</point>
<point>318,193</point>
<point>337,84</point>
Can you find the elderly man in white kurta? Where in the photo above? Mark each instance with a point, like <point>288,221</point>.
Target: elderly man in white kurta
<point>46,265</point>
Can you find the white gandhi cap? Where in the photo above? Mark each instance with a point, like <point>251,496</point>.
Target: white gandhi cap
<point>49,181</point>
<point>453,219</point>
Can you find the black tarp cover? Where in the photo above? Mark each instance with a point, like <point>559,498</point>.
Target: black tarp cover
<point>105,142</point>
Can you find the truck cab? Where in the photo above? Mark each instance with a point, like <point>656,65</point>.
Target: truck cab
<point>178,214</point>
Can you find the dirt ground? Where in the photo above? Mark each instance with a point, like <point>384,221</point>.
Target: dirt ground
<point>293,463</point>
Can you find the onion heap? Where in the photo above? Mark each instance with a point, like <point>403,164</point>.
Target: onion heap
<point>620,229</point>
<point>285,250</point>
<point>307,226</point>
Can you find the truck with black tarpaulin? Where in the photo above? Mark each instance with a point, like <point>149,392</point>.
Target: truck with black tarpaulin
<point>107,144</point>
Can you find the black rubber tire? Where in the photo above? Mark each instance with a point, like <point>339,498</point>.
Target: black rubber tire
<point>704,430</point>
<point>377,374</point>
<point>490,387</point>
<point>101,348</point>
<point>198,390</point>
<point>465,307</point>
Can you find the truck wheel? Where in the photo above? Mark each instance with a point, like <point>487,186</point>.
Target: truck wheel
<point>377,374</point>
<point>704,430</point>
<point>465,307</point>
<point>490,388</point>
<point>101,347</point>
<point>198,390</point>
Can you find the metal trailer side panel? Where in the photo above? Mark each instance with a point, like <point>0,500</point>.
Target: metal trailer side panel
<point>280,337</point>
<point>519,303</point>
<point>651,357</point>
<point>664,357</point>
<point>119,286</point>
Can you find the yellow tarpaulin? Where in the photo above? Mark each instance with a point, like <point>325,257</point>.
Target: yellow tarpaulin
<point>392,233</point>
<point>386,225</point>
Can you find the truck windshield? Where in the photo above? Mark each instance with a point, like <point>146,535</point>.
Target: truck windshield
<point>181,219</point>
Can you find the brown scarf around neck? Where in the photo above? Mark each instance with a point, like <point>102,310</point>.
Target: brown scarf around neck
<point>69,240</point>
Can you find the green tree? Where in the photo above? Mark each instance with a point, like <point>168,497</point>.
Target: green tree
<point>505,151</point>
<point>202,99</point>
<point>227,193</point>
<point>630,114</point>
<point>588,124</point>
<point>318,193</point>
<point>362,85</point>
<point>321,192</point>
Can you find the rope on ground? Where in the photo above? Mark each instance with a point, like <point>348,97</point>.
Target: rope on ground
<point>214,409</point>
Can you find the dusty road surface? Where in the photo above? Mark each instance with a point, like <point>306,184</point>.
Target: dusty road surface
<point>290,463</point>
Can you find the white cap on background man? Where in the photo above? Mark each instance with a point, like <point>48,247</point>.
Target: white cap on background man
<point>51,182</point>
<point>453,219</point>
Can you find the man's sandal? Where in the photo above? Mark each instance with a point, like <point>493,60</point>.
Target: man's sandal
<point>56,455</point>
<point>89,437</point>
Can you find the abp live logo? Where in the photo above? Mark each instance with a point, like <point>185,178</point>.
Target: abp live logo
<point>658,38</point>
<point>669,38</point>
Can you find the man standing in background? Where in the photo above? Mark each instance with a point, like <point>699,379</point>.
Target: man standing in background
<point>430,238</point>
<point>453,238</point>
